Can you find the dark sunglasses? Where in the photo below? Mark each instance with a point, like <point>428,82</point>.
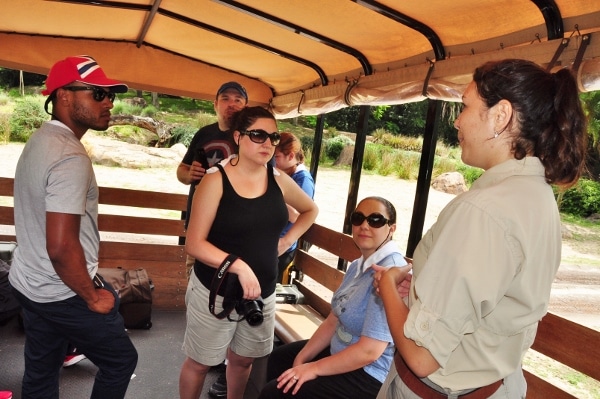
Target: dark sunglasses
<point>375,220</point>
<point>98,94</point>
<point>259,136</point>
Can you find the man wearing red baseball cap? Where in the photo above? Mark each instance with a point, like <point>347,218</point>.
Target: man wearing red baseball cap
<point>54,266</point>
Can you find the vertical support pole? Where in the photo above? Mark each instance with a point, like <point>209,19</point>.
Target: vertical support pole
<point>317,144</point>
<point>356,170</point>
<point>434,115</point>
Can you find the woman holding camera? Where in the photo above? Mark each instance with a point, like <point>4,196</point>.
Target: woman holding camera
<point>351,352</point>
<point>238,212</point>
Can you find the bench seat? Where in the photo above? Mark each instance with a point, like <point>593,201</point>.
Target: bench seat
<point>296,322</point>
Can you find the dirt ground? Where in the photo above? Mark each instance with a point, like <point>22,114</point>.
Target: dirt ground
<point>576,290</point>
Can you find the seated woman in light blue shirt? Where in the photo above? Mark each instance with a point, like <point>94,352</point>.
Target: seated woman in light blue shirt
<point>351,352</point>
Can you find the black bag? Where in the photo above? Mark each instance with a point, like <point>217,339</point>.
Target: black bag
<point>9,306</point>
<point>135,291</point>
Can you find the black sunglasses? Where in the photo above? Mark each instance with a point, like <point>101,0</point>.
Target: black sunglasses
<point>374,220</point>
<point>259,136</point>
<point>98,94</point>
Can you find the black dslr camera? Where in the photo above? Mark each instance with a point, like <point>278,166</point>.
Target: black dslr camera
<point>251,310</point>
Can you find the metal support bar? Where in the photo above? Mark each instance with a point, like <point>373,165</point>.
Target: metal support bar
<point>434,115</point>
<point>426,80</point>
<point>357,161</point>
<point>585,41</point>
<point>563,44</point>
<point>317,144</point>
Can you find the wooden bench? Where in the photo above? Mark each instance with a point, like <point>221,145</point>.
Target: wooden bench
<point>128,245</point>
<point>139,229</point>
<point>318,282</point>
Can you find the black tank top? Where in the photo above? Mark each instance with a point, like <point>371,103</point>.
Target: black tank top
<point>250,229</point>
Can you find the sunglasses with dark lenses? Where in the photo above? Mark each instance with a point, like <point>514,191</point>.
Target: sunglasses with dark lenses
<point>98,93</point>
<point>259,136</point>
<point>375,220</point>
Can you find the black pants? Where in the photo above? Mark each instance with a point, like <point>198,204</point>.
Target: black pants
<point>356,384</point>
<point>49,327</point>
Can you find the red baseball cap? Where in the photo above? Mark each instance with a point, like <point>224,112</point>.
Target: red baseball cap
<point>81,68</point>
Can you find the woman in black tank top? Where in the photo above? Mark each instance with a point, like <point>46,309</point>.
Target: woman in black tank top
<point>238,212</point>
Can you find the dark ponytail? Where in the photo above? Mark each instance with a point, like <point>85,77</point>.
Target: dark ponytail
<point>549,118</point>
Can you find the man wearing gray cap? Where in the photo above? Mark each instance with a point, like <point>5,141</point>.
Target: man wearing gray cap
<point>212,143</point>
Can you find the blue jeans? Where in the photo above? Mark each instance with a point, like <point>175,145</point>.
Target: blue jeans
<point>49,327</point>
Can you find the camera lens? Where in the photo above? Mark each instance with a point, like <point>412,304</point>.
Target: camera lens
<point>251,311</point>
<point>255,318</point>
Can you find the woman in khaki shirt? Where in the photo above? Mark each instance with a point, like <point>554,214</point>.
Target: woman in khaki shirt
<point>482,274</point>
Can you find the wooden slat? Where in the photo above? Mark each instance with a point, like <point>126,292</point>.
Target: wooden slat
<point>538,388</point>
<point>318,271</point>
<point>142,199</point>
<point>142,252</point>
<point>141,225</point>
<point>6,186</point>
<point>5,237</point>
<point>555,338</point>
<point>7,215</point>
<point>313,300</point>
<point>332,241</point>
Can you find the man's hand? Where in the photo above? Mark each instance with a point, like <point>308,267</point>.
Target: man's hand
<point>196,172</point>
<point>104,303</point>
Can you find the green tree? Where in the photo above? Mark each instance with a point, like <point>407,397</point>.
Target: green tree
<point>591,104</point>
<point>9,78</point>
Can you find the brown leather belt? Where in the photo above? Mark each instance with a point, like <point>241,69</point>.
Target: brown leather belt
<point>426,392</point>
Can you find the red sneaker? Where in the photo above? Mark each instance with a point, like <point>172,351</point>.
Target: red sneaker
<point>70,360</point>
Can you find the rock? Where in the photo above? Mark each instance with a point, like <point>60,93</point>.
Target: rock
<point>594,217</point>
<point>180,149</point>
<point>109,152</point>
<point>451,183</point>
<point>136,101</point>
<point>345,158</point>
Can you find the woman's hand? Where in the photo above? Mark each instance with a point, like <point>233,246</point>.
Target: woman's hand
<point>247,279</point>
<point>399,274</point>
<point>295,377</point>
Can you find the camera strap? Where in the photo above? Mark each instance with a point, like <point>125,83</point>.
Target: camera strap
<point>215,285</point>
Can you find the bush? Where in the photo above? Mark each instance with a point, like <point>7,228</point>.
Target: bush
<point>4,128</point>
<point>149,111</point>
<point>334,146</point>
<point>27,116</point>
<point>4,99</point>
<point>469,173</point>
<point>371,157</point>
<point>183,134</point>
<point>580,200</point>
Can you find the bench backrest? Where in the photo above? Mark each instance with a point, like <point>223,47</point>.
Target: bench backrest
<point>139,229</point>
<point>311,265</point>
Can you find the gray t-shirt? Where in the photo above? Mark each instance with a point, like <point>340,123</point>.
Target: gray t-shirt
<point>54,174</point>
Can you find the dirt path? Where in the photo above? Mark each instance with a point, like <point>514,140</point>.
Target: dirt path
<point>576,290</point>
